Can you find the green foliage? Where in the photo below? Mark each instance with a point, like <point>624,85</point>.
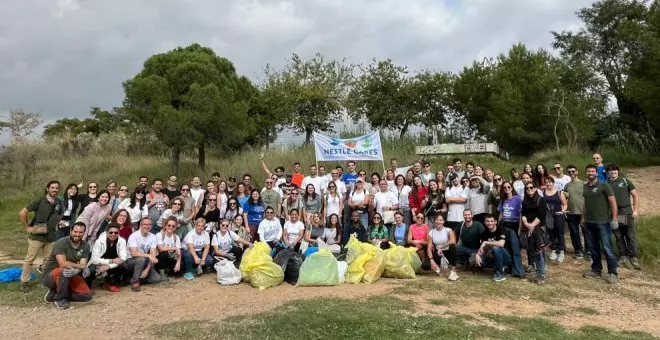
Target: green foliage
<point>308,95</point>
<point>102,121</point>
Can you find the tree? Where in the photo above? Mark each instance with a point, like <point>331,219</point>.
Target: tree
<point>432,98</point>
<point>102,121</point>
<point>22,124</point>
<point>309,94</point>
<point>199,91</point>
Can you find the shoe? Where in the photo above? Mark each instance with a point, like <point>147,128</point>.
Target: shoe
<point>188,276</point>
<point>135,286</point>
<point>498,277</point>
<point>539,280</point>
<point>452,276</point>
<point>579,256</point>
<point>553,256</point>
<point>163,276</point>
<point>622,261</point>
<point>591,274</point>
<point>613,279</point>
<point>530,269</point>
<point>25,287</point>
<point>635,263</point>
<point>111,288</point>
<point>50,296</point>
<point>62,304</point>
<point>200,270</point>
<point>560,257</point>
<point>438,271</point>
<point>40,269</point>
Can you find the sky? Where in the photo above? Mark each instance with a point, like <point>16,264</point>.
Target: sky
<point>59,58</point>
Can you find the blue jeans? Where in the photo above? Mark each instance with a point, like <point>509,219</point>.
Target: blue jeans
<point>574,228</point>
<point>189,262</point>
<point>516,260</point>
<point>601,233</point>
<point>364,219</point>
<point>497,258</point>
<point>539,261</point>
<point>463,253</point>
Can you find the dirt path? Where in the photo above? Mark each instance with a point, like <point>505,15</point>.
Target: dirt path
<point>646,180</point>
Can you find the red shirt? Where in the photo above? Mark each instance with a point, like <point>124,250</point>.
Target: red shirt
<point>297,179</point>
<point>417,204</point>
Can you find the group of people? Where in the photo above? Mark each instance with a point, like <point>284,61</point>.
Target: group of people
<point>468,216</point>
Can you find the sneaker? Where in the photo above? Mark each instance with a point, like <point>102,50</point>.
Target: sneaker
<point>613,279</point>
<point>40,269</point>
<point>560,257</point>
<point>188,276</point>
<point>452,276</point>
<point>622,261</point>
<point>62,304</point>
<point>553,256</point>
<point>163,275</point>
<point>579,256</point>
<point>50,296</point>
<point>591,274</point>
<point>498,277</point>
<point>438,271</point>
<point>539,280</point>
<point>25,287</point>
<point>111,288</point>
<point>135,286</point>
<point>635,263</point>
<point>530,269</point>
<point>200,270</point>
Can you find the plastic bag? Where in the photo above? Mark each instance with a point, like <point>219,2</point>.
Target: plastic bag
<point>354,250</point>
<point>333,248</point>
<point>265,275</point>
<point>398,263</point>
<point>290,261</point>
<point>342,267</point>
<point>374,268</point>
<point>355,270</point>
<point>227,273</point>
<point>319,269</point>
<point>13,274</point>
<point>416,261</point>
<point>259,253</point>
<point>310,251</point>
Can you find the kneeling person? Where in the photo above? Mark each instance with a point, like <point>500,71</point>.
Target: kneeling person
<point>224,244</point>
<point>196,246</point>
<point>142,255</point>
<point>64,270</point>
<point>492,252</point>
<point>108,254</point>
<point>169,249</point>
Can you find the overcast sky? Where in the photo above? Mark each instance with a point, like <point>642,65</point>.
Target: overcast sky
<point>59,58</point>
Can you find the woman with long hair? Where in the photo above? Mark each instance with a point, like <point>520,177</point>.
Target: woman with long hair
<point>516,181</point>
<point>410,175</point>
<point>93,215</point>
<point>238,226</point>
<point>226,243</point>
<point>332,231</point>
<point>477,202</point>
<point>314,229</point>
<point>232,209</point>
<point>294,231</point>
<point>528,169</point>
<point>532,229</point>
<point>89,197</point>
<point>389,178</point>
<point>399,233</point>
<point>417,235</point>
<point>123,219</point>
<point>379,235</point>
<point>375,179</point>
<point>540,175</point>
<point>312,202</point>
<point>495,195</point>
<point>441,249</point>
<point>253,213</point>
<point>121,195</point>
<point>175,210</point>
<point>442,181</point>
<point>416,198</point>
<point>189,209</point>
<point>136,206</point>
<point>403,194</point>
<point>556,202</point>
<point>223,197</point>
<point>69,208</point>
<point>169,248</point>
<point>333,203</point>
<point>359,200</point>
<point>435,201</point>
<point>210,213</point>
<point>294,201</point>
<point>241,194</point>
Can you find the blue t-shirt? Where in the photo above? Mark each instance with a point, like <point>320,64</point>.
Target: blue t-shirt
<point>400,234</point>
<point>255,212</point>
<point>242,200</point>
<point>510,209</point>
<point>349,179</point>
<point>602,173</point>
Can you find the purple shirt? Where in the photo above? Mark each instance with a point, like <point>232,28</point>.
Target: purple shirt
<point>510,209</point>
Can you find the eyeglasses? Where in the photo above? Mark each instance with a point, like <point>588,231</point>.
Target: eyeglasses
<point>224,225</point>
<point>182,190</point>
<point>171,225</point>
<point>176,203</point>
<point>139,194</point>
<point>497,179</point>
<point>212,200</point>
<point>113,232</point>
<point>269,182</point>
<point>234,203</point>
<point>427,166</point>
<point>556,167</point>
<point>123,189</point>
<point>572,171</point>
<point>92,187</point>
<point>269,212</point>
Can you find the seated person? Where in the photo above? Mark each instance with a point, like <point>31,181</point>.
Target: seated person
<point>418,235</point>
<point>492,252</point>
<point>141,256</point>
<point>441,248</point>
<point>469,237</point>
<point>314,230</point>
<point>63,269</point>
<point>332,231</point>
<point>294,231</point>
<point>224,244</point>
<point>169,248</point>
<point>399,233</point>
<point>196,247</point>
<point>379,236</point>
<point>109,252</point>
<point>356,229</point>
<point>270,229</point>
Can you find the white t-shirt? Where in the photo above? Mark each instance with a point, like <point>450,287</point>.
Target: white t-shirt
<point>316,181</point>
<point>196,194</point>
<point>269,230</point>
<point>404,203</point>
<point>332,204</point>
<point>359,196</point>
<point>171,241</point>
<point>385,199</point>
<point>198,241</point>
<point>560,182</point>
<point>142,243</point>
<point>440,237</point>
<point>455,210</point>
<point>341,187</point>
<point>294,231</point>
<point>225,242</point>
<point>166,214</point>
<point>401,171</point>
<point>135,213</point>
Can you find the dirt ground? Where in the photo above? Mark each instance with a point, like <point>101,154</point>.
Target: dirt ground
<point>128,314</point>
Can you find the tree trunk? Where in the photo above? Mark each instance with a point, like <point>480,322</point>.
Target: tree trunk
<point>176,157</point>
<point>308,135</point>
<point>201,151</point>
<point>404,130</point>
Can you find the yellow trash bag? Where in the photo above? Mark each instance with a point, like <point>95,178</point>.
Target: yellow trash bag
<point>319,269</point>
<point>373,269</point>
<point>416,261</point>
<point>398,263</point>
<point>355,270</point>
<point>354,248</point>
<point>259,253</point>
<point>266,274</point>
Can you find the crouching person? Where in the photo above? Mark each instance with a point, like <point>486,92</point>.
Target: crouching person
<point>169,249</point>
<point>108,254</point>
<point>65,268</point>
<point>493,250</point>
<point>196,253</point>
<point>225,242</point>
<point>141,256</point>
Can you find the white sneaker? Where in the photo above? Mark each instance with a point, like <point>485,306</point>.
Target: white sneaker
<point>553,256</point>
<point>560,257</point>
<point>200,270</point>
<point>437,271</point>
<point>452,276</point>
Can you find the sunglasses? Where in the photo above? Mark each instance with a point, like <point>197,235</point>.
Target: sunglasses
<point>572,171</point>
<point>376,218</point>
<point>113,232</point>
<point>420,217</point>
<point>176,203</point>
<point>269,212</point>
<point>92,187</point>
<point>224,225</point>
<point>497,179</point>
<point>331,186</point>
<point>529,188</point>
<point>182,190</point>
<point>139,194</point>
<point>212,200</point>
<point>269,182</point>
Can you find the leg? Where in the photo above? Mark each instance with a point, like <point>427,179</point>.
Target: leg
<point>540,264</point>
<point>619,236</point>
<point>502,258</point>
<point>594,238</point>
<point>79,290</point>
<point>631,237</point>
<point>253,232</point>
<point>33,250</point>
<point>560,222</point>
<point>187,261</point>
<point>588,241</point>
<point>463,253</point>
<point>516,261</point>
<point>606,239</point>
<point>450,255</point>
<point>238,252</point>
<point>407,217</point>
<point>364,219</point>
<point>574,230</point>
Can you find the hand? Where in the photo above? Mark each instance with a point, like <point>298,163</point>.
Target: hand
<point>117,261</point>
<point>103,268</point>
<point>635,214</point>
<point>614,224</point>
<point>145,272</point>
<point>477,261</point>
<point>261,156</point>
<point>198,260</point>
<point>229,256</point>
<point>177,267</point>
<point>85,272</point>
<point>153,259</point>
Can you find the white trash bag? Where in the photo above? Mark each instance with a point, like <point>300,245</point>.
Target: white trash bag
<point>228,274</point>
<point>342,267</point>
<point>333,248</point>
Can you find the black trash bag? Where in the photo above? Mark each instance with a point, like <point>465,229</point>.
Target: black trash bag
<point>341,256</point>
<point>282,258</point>
<point>293,268</point>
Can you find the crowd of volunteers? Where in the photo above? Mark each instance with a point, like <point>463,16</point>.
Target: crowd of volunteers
<point>353,225</point>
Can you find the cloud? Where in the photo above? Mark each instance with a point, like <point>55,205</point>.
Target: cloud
<point>61,57</point>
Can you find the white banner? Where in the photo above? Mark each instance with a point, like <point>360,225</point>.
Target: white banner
<point>362,148</point>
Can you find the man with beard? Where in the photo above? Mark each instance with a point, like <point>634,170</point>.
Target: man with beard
<point>66,268</point>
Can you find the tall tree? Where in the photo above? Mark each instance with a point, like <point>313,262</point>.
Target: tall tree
<point>308,94</point>
<point>22,124</point>
<point>432,98</point>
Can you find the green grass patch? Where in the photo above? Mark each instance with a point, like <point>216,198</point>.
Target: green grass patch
<point>11,294</point>
<point>648,234</point>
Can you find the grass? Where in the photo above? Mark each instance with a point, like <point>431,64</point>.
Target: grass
<point>648,235</point>
<point>380,317</point>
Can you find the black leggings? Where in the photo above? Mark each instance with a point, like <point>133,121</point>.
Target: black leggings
<point>449,254</point>
<point>165,261</point>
